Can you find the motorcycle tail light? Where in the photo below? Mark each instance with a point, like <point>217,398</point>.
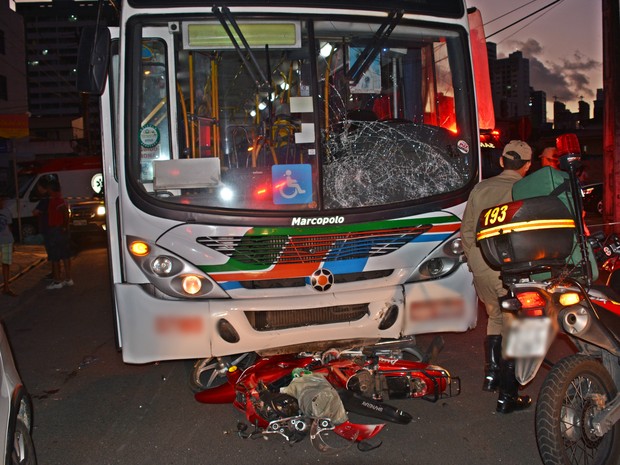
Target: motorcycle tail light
<point>532,312</point>
<point>570,298</point>
<point>532,303</point>
<point>531,299</point>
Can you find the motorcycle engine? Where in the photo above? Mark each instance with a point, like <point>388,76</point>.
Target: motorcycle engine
<point>362,382</point>
<point>273,406</point>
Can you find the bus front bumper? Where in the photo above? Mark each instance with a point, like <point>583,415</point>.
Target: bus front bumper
<point>153,329</point>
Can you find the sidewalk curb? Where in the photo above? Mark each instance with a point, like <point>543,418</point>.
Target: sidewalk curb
<point>27,269</point>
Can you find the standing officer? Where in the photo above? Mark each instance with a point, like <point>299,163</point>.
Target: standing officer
<point>516,160</point>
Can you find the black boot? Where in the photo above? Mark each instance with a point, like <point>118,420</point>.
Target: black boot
<point>493,359</point>
<point>509,399</point>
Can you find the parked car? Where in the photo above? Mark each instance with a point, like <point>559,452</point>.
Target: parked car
<point>15,411</point>
<point>593,198</point>
<point>87,216</point>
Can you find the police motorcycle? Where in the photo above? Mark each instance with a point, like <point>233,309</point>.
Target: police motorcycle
<point>546,264</point>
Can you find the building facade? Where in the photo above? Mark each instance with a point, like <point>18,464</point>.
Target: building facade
<point>538,108</point>
<point>510,83</point>
<point>52,34</point>
<point>13,90</point>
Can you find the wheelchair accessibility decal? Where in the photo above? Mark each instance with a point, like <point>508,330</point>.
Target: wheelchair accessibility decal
<point>292,184</point>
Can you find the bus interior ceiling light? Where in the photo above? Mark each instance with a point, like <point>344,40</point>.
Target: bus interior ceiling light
<point>226,193</point>
<point>326,50</point>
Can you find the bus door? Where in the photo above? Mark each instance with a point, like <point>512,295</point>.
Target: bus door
<point>109,115</point>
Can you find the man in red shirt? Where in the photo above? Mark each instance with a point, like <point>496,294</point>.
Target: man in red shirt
<point>58,222</point>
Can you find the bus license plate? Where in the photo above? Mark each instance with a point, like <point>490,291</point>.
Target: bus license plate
<point>528,337</point>
<point>79,222</point>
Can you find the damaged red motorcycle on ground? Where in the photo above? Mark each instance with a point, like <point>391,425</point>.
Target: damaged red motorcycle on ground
<point>314,394</point>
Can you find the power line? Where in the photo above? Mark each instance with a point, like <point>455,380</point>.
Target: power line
<point>525,17</point>
<point>520,29</point>
<point>511,11</point>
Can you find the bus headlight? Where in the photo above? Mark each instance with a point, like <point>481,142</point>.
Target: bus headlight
<point>191,284</point>
<point>162,266</point>
<point>442,261</point>
<point>433,267</point>
<point>454,247</point>
<point>170,275</point>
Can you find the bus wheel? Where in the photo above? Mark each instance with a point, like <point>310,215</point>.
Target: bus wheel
<point>209,373</point>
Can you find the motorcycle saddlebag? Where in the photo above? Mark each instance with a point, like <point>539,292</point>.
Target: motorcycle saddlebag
<point>539,230</point>
<point>551,182</point>
<point>545,182</point>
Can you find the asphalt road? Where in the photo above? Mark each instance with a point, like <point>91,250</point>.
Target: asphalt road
<point>91,408</point>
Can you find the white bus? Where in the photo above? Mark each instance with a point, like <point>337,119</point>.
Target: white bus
<point>284,175</point>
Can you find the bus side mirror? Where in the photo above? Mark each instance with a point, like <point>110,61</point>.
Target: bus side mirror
<point>93,58</point>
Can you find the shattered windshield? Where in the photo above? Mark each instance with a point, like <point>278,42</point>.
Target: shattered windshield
<point>301,114</point>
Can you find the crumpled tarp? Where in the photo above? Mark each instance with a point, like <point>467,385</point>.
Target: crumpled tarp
<point>317,398</point>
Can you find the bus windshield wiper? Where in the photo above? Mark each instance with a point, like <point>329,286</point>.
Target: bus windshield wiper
<point>365,59</point>
<point>223,15</point>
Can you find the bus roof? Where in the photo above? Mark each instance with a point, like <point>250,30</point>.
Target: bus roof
<point>443,8</point>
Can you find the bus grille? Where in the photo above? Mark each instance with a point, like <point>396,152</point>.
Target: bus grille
<point>269,250</point>
<point>271,320</point>
<point>301,282</point>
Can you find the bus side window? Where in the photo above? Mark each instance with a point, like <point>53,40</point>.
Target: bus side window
<point>154,121</point>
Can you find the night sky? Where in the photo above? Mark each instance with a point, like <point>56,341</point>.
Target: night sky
<point>563,43</point>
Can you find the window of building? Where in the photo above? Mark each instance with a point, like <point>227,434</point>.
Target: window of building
<point>4,92</point>
<point>2,46</point>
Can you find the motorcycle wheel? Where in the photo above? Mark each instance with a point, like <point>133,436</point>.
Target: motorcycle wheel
<point>209,373</point>
<point>564,409</point>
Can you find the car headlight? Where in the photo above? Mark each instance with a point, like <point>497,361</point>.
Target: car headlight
<point>100,210</point>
